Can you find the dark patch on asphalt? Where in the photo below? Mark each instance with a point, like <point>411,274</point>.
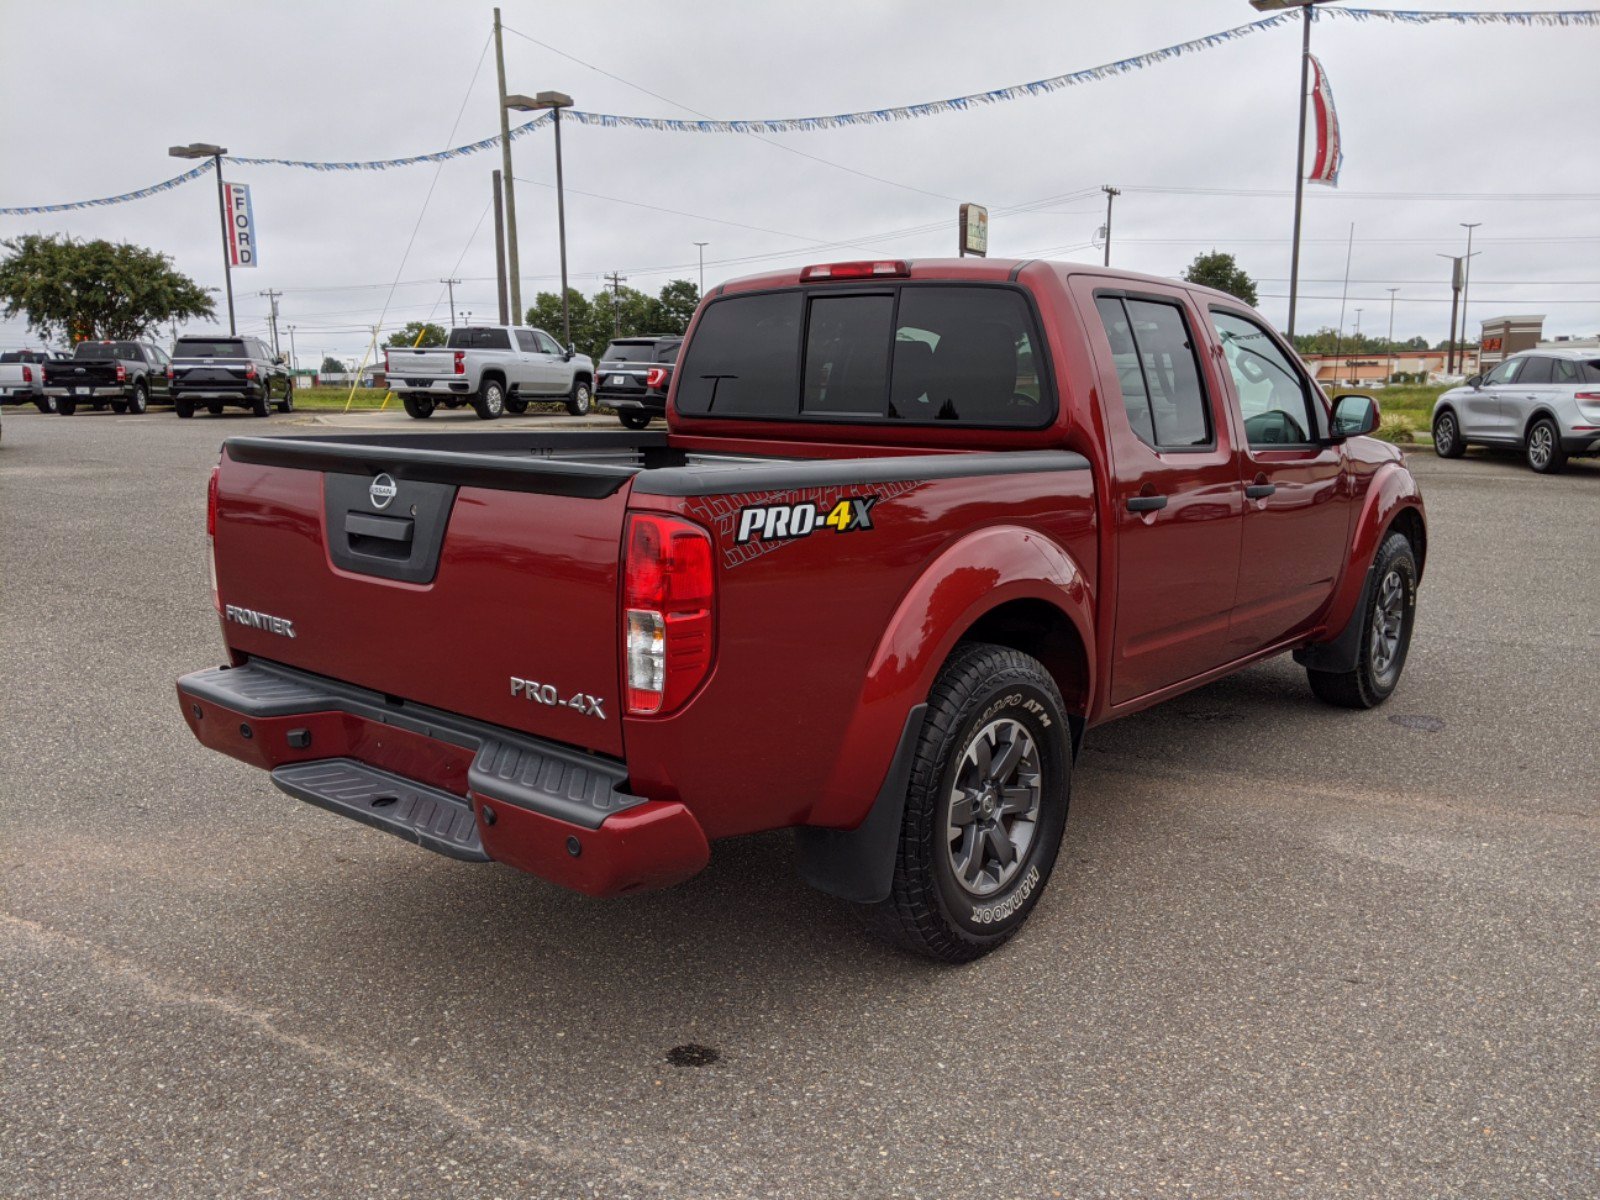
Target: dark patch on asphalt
<point>692,1055</point>
<point>1418,722</point>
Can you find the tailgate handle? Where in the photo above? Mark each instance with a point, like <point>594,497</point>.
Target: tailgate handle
<point>388,529</point>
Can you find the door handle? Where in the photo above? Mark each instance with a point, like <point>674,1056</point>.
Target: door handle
<point>1146,503</point>
<point>1259,491</point>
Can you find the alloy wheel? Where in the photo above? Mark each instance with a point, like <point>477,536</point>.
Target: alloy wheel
<point>1388,623</point>
<point>994,807</point>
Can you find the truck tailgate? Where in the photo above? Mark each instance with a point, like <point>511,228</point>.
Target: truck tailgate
<point>500,605</point>
<point>407,363</point>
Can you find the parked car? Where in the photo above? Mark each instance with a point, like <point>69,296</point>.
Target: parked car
<point>216,372</point>
<point>494,368</point>
<point>22,379</point>
<point>872,583</point>
<point>634,375</point>
<point>129,376</point>
<point>1546,402</point>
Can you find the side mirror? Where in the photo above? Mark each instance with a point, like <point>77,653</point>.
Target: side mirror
<point>1353,416</point>
<point>280,360</point>
<point>1475,381</point>
<point>572,351</point>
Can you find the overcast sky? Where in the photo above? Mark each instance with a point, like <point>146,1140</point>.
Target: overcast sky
<point>94,93</point>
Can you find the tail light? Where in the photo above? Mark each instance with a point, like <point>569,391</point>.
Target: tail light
<point>250,371</point>
<point>874,269</point>
<point>27,374</point>
<point>669,612</point>
<point>1591,397</point>
<point>122,373</point>
<point>170,375</point>
<point>387,369</point>
<point>211,536</point>
<point>656,377</point>
<point>461,362</point>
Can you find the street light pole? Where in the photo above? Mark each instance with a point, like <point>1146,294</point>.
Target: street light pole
<point>294,359</point>
<point>1111,194</point>
<point>215,153</point>
<point>702,246</point>
<point>1466,283</point>
<point>555,102</point>
<point>513,267</point>
<point>1300,152</point>
<point>1391,292</point>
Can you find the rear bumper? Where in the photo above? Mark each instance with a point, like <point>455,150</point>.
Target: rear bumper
<point>236,395</point>
<point>429,387</point>
<point>81,392</point>
<point>456,786</point>
<point>654,403</point>
<point>1583,442</point>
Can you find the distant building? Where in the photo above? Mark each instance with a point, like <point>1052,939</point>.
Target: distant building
<point>1504,336</point>
<point>1367,369</point>
<point>1572,343</point>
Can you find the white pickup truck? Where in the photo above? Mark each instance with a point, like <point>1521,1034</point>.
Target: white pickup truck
<point>494,368</point>
<point>22,379</point>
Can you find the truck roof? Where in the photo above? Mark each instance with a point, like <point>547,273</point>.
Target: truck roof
<point>976,270</point>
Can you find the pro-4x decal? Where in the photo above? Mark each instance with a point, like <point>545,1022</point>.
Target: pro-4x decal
<point>781,522</point>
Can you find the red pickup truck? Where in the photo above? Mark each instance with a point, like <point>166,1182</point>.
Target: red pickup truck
<point>912,528</point>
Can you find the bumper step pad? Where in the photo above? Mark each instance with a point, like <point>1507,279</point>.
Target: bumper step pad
<point>433,819</point>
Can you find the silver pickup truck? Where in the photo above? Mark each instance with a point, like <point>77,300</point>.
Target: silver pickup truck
<point>22,379</point>
<point>494,368</point>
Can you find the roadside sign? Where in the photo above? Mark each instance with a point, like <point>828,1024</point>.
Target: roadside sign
<point>974,230</point>
<point>242,249</point>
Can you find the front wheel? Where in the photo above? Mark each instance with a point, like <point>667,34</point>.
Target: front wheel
<point>985,807</point>
<point>1385,633</point>
<point>287,403</point>
<point>491,400</point>
<point>634,420</point>
<point>1447,441</point>
<point>1544,451</point>
<point>579,398</point>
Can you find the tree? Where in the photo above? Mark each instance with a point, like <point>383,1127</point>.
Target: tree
<point>625,312</point>
<point>1220,271</point>
<point>332,366</point>
<point>432,335</point>
<point>76,291</point>
<point>675,306</point>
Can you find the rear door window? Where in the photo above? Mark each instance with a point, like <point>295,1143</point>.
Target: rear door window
<point>1536,370</point>
<point>1154,354</point>
<point>1563,370</point>
<point>526,342</point>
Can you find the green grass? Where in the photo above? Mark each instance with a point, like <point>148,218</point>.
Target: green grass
<point>332,399</point>
<point>1407,409</point>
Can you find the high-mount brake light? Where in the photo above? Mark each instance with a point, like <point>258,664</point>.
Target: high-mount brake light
<point>461,362</point>
<point>669,612</point>
<point>878,268</point>
<point>211,535</point>
<point>655,377</point>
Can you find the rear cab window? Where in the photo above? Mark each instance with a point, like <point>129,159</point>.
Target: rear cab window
<point>463,338</point>
<point>913,353</point>
<point>102,350</point>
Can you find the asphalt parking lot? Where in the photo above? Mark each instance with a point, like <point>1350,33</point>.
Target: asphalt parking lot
<point>1290,951</point>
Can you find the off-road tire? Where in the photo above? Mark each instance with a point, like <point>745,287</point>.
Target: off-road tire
<point>1543,447</point>
<point>1376,673</point>
<point>634,420</point>
<point>184,408</point>
<point>419,407</point>
<point>581,398</point>
<point>929,910</point>
<point>1447,442</point>
<point>490,401</point>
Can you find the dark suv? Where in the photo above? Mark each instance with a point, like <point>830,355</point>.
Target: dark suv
<point>241,371</point>
<point>634,375</point>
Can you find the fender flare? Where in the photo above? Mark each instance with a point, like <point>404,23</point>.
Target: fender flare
<point>848,847</point>
<point>1393,490</point>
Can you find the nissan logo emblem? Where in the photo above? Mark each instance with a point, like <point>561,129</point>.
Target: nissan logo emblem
<point>382,491</point>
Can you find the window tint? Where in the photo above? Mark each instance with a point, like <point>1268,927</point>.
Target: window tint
<point>629,352</point>
<point>744,358</point>
<point>1504,372</point>
<point>103,350</point>
<point>1563,370</point>
<point>965,354</point>
<point>546,342</point>
<point>667,352</point>
<point>1536,370</point>
<point>1591,371</point>
<point>478,338</point>
<point>847,355</point>
<point>207,348</point>
<point>1153,352</point>
<point>525,341</point>
<point>1272,394</point>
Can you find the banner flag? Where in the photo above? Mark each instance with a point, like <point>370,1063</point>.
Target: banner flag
<point>1330,154</point>
<point>242,248</point>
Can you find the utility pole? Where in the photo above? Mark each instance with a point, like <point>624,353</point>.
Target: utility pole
<point>1455,301</point>
<point>1466,281</point>
<point>1111,194</point>
<point>616,301</point>
<point>272,316</point>
<point>294,360</point>
<point>1391,292</point>
<point>702,246</point>
<point>500,250</point>
<point>451,285</point>
<point>1344,295</point>
<point>515,270</point>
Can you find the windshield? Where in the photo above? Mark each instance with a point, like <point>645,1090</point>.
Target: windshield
<point>106,350</point>
<point>208,348</point>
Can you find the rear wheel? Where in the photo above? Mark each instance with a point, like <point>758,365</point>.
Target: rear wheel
<point>579,399</point>
<point>119,406</point>
<point>214,408</point>
<point>419,407</point>
<point>985,808</point>
<point>287,403</point>
<point>67,407</point>
<point>139,402</point>
<point>491,400</point>
<point>1385,633</point>
<point>634,420</point>
<point>46,404</point>
<point>261,406</point>
<point>185,408</point>
<point>1543,448</point>
<point>1447,441</point>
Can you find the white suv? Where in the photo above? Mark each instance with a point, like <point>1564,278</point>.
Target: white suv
<point>1547,402</point>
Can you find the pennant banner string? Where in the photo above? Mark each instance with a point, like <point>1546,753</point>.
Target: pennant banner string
<point>878,116</point>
